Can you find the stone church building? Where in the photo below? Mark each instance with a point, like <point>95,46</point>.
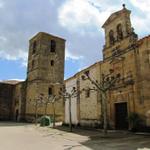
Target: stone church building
<point>127,56</point>
<point>123,52</point>
<point>45,75</point>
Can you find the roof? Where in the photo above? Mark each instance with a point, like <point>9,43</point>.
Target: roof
<point>87,68</point>
<point>44,33</point>
<point>12,82</point>
<point>115,15</point>
<point>144,38</point>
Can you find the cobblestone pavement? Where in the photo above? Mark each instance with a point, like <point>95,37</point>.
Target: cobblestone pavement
<point>18,136</point>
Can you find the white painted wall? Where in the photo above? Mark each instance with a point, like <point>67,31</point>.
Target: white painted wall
<point>69,85</point>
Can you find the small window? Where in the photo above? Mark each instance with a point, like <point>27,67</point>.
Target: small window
<point>87,72</point>
<point>87,93</point>
<point>119,32</point>
<point>34,47</point>
<point>52,62</point>
<point>53,46</point>
<point>50,91</point>
<point>111,37</point>
<point>33,63</point>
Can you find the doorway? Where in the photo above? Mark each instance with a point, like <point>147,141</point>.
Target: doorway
<point>121,114</point>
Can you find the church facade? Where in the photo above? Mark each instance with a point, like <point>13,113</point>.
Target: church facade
<point>127,56</point>
<point>123,53</point>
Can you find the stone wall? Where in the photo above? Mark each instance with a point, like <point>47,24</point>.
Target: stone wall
<point>6,100</point>
<point>45,73</point>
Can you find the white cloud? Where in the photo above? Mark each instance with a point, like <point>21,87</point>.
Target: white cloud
<point>20,20</point>
<point>69,55</point>
<point>15,55</point>
<point>14,80</point>
<point>3,39</point>
<point>78,21</point>
<point>52,2</point>
<point>143,5</point>
<point>1,4</point>
<point>77,14</point>
<point>140,20</point>
<point>141,25</point>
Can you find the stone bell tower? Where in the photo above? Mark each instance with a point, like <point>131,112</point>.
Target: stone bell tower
<point>119,33</point>
<point>45,68</point>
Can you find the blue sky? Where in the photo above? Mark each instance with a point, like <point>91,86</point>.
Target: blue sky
<point>78,21</point>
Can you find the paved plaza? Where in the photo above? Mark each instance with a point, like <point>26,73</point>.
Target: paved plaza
<point>19,136</point>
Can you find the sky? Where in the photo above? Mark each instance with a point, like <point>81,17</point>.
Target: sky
<point>77,21</point>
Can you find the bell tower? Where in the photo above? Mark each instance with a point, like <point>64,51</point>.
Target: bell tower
<point>119,33</point>
<point>46,58</point>
<point>45,67</point>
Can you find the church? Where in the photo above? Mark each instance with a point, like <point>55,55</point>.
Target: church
<point>123,52</point>
<point>45,76</point>
<point>128,57</point>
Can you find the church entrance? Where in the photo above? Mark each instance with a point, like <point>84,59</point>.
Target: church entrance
<point>121,114</point>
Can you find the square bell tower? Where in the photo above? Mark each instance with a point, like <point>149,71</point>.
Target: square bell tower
<point>45,68</point>
<point>119,34</point>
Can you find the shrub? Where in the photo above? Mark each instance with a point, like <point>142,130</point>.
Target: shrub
<point>45,121</point>
<point>134,121</point>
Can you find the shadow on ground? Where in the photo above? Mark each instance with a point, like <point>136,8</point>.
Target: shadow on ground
<point>115,140</point>
<point>88,139</point>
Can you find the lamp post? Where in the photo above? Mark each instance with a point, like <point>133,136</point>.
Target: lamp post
<point>108,81</point>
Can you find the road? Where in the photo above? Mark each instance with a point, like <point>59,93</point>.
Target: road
<point>17,136</point>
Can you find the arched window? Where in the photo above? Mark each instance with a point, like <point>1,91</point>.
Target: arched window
<point>53,46</point>
<point>119,32</point>
<point>111,37</point>
<point>34,47</point>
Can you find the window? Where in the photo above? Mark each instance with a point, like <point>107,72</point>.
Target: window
<point>87,72</point>
<point>34,47</point>
<point>50,91</point>
<point>119,32</point>
<point>33,63</point>
<point>111,37</point>
<point>53,46</point>
<point>87,93</point>
<point>52,62</point>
